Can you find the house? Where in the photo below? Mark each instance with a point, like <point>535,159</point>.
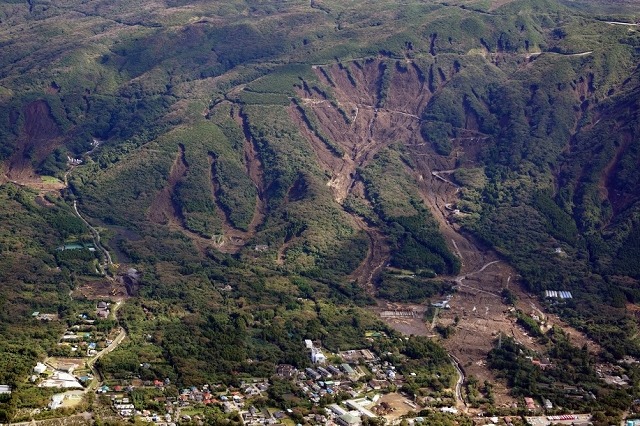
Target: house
<point>334,370</point>
<point>312,374</point>
<point>317,357</point>
<point>286,371</point>
<point>530,404</point>
<point>74,161</point>
<point>5,390</point>
<point>324,372</point>
<point>557,294</point>
<point>349,419</point>
<point>347,369</point>
<point>337,410</point>
<point>56,401</point>
<point>39,368</point>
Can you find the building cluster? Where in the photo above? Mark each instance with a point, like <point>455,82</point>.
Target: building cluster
<point>230,401</point>
<point>344,378</point>
<point>562,419</point>
<point>102,310</point>
<point>74,161</point>
<point>612,375</point>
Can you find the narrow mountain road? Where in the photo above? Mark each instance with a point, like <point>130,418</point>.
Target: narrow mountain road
<point>95,234</point>
<point>460,278</point>
<point>628,24</point>
<point>91,363</point>
<point>438,175</point>
<point>460,402</point>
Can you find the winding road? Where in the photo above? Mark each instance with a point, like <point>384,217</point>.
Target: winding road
<point>460,278</point>
<point>458,389</point>
<point>96,236</point>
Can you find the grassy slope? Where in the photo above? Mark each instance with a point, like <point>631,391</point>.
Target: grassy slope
<point>144,82</point>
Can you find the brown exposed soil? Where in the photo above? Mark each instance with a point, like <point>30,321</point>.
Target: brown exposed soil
<point>357,124</point>
<point>408,91</point>
<point>39,136</point>
<point>477,304</point>
<point>162,209</point>
<point>619,200</point>
<point>100,289</point>
<point>360,121</point>
<point>481,314</point>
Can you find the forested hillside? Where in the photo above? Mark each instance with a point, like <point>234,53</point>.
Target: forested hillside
<point>286,170</point>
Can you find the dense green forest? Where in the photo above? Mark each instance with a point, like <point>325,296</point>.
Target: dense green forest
<point>266,165</point>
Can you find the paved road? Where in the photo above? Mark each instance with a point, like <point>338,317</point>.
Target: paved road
<point>459,400</point>
<point>95,233</point>
<point>119,338</point>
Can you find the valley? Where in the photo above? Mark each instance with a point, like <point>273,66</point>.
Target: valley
<point>320,213</point>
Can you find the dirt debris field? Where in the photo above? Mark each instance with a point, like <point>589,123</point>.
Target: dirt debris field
<point>393,315</point>
<point>101,289</point>
<point>477,305</point>
<point>66,363</point>
<point>395,406</point>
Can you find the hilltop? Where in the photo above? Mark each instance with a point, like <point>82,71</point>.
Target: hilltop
<point>325,170</point>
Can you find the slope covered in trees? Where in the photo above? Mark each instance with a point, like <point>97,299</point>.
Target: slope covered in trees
<point>270,166</point>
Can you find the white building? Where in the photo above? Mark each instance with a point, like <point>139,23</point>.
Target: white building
<point>56,401</point>
<point>317,357</point>
<point>39,368</point>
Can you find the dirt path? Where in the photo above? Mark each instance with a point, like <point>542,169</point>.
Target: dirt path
<point>377,256</point>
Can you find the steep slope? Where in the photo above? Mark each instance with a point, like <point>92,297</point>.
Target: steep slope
<point>291,170</point>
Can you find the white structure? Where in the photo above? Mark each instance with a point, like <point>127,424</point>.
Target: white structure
<point>308,344</point>
<point>317,357</point>
<point>60,379</point>
<point>359,406</point>
<point>56,401</point>
<point>337,410</point>
<point>39,368</point>
<point>554,294</point>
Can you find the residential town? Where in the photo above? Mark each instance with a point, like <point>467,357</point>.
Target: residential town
<point>343,388</point>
